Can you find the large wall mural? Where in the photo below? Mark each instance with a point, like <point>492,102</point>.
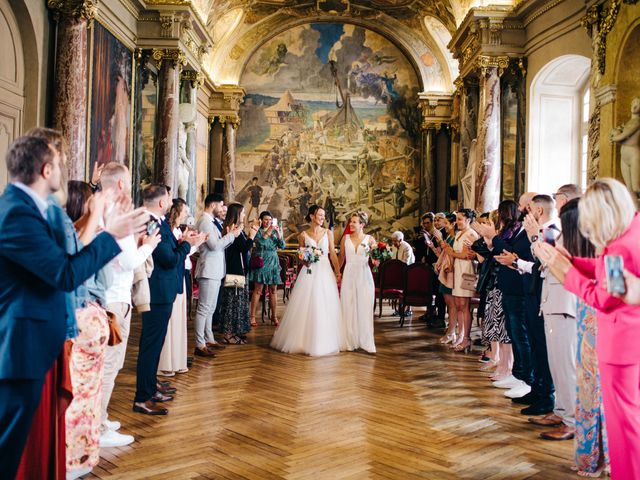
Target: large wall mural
<point>330,117</point>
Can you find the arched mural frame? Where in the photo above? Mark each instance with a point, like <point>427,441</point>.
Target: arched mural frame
<point>395,32</point>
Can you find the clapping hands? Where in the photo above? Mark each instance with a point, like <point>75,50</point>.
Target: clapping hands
<point>488,231</point>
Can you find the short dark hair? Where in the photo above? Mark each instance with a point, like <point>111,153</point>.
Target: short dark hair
<point>213,198</point>
<point>265,213</point>
<point>254,178</point>
<point>53,137</point>
<point>546,201</point>
<point>428,215</point>
<point>26,157</point>
<point>78,195</point>
<point>153,192</point>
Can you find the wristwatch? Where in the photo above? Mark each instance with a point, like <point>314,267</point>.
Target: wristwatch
<point>514,264</point>
<point>534,238</point>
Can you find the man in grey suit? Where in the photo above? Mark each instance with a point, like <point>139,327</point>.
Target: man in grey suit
<point>210,271</point>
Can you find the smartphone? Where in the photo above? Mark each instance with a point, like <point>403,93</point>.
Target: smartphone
<point>152,226</point>
<point>274,222</point>
<point>549,236</point>
<point>614,266</point>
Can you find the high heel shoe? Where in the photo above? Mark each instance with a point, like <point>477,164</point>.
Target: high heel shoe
<point>464,346</point>
<point>274,321</point>
<point>253,321</point>
<point>448,338</point>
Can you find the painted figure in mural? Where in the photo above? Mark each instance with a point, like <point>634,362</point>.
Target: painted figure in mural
<point>469,180</point>
<point>121,117</point>
<point>184,165</point>
<point>255,196</point>
<point>330,211</point>
<point>628,136</point>
<point>397,192</point>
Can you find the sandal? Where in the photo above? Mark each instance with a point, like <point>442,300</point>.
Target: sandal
<point>253,321</point>
<point>274,321</point>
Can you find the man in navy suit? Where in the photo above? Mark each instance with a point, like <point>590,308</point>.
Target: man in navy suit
<point>35,273</point>
<point>165,283</point>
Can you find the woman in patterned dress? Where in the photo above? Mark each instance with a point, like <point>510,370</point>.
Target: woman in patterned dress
<point>234,313</point>
<point>266,243</point>
<point>591,456</point>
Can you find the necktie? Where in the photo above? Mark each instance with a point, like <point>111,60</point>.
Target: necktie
<point>217,224</point>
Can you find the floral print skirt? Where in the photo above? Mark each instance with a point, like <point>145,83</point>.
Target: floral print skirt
<point>234,313</point>
<point>83,417</point>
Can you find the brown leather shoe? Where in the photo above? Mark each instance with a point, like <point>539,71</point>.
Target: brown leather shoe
<point>562,433</point>
<point>203,352</point>
<point>149,408</point>
<point>166,390</point>
<point>550,420</point>
<point>215,346</point>
<point>161,397</point>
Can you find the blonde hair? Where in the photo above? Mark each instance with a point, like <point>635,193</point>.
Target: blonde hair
<point>112,172</point>
<point>606,211</point>
<point>362,216</point>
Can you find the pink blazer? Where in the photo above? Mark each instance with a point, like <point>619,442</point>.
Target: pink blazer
<point>618,323</point>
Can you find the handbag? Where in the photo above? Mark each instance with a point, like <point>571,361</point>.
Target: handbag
<point>256,262</point>
<point>115,336</point>
<point>470,280</point>
<point>237,281</point>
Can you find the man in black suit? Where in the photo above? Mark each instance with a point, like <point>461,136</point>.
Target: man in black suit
<point>35,273</point>
<point>165,283</point>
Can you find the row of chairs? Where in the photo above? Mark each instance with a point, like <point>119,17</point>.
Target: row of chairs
<point>409,285</point>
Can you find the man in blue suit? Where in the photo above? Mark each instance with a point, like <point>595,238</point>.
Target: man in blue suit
<point>35,273</point>
<point>165,283</point>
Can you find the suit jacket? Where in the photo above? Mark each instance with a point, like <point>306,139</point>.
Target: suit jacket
<point>618,323</point>
<point>555,299</point>
<point>510,282</point>
<point>35,273</point>
<point>211,263</point>
<point>166,280</point>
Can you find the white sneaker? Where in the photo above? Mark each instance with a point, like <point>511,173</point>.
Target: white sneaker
<point>114,439</point>
<point>113,426</point>
<point>519,391</point>
<point>508,382</point>
<point>81,472</point>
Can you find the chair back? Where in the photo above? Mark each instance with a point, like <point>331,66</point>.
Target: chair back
<point>418,287</point>
<point>392,275</point>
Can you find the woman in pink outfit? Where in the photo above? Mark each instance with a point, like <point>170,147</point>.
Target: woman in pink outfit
<point>608,218</point>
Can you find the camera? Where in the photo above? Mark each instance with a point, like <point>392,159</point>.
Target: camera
<point>614,265</point>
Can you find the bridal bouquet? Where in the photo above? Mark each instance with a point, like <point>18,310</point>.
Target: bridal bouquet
<point>379,254</point>
<point>309,256</point>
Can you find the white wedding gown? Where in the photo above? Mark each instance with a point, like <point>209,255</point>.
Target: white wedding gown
<point>357,299</point>
<point>311,322</point>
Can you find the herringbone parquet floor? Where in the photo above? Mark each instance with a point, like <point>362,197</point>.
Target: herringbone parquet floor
<point>414,410</point>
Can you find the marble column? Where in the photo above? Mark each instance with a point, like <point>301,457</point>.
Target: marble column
<point>468,129</point>
<point>168,119</point>
<point>428,169</point>
<point>70,92</point>
<point>229,161</point>
<point>488,167</point>
<point>192,151</point>
<point>442,148</point>
<point>216,141</point>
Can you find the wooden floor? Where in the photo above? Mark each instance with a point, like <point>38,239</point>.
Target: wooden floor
<point>414,410</point>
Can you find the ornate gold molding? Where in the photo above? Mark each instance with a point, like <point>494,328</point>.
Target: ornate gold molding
<point>174,55</point>
<point>168,2</point>
<point>485,62</point>
<point>607,21</point>
<point>86,9</point>
<point>233,120</point>
<point>196,78</point>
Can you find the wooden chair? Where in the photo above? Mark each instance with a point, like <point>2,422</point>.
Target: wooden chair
<point>418,288</point>
<point>391,278</point>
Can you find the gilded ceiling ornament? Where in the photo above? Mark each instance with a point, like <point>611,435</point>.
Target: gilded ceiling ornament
<point>607,21</point>
<point>484,62</point>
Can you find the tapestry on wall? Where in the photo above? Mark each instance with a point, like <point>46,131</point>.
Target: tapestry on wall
<point>330,117</point>
<point>110,115</point>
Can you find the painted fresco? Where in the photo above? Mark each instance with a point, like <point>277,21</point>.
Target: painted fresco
<point>330,117</point>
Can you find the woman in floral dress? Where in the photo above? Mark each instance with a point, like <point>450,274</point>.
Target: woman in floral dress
<point>266,244</point>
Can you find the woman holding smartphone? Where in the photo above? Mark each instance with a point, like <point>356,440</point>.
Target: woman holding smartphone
<point>608,218</point>
<point>265,265</point>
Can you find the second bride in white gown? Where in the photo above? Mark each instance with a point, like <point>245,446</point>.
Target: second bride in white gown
<point>357,292</point>
<point>311,321</point>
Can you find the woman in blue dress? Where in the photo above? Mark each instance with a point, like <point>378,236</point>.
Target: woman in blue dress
<point>267,243</point>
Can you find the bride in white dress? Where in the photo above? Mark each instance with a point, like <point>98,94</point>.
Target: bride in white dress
<point>311,322</point>
<point>357,292</point>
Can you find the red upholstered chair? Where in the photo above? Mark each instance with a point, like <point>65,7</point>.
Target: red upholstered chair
<point>391,278</point>
<point>418,288</point>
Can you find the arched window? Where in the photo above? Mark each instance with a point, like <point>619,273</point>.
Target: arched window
<point>558,124</point>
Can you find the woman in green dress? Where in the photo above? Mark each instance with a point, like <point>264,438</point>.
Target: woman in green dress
<point>267,242</point>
